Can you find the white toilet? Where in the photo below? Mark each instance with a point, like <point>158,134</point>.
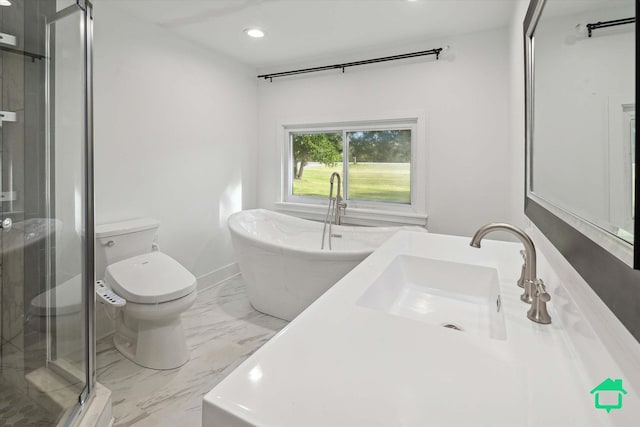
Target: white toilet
<point>157,288</point>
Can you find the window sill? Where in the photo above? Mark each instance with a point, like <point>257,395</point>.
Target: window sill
<point>354,216</point>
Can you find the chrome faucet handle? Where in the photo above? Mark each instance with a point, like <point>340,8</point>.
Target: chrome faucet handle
<point>541,291</point>
<point>524,267</point>
<point>526,296</point>
<point>538,311</point>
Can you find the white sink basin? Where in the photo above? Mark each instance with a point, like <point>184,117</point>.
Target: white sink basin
<point>462,297</point>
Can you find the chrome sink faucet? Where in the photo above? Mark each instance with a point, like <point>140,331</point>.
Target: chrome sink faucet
<point>534,290</point>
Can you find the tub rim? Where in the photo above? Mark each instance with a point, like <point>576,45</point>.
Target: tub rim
<point>236,229</point>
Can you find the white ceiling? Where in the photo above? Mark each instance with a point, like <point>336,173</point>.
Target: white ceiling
<point>304,30</point>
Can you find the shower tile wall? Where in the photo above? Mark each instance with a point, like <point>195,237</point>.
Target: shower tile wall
<point>21,149</point>
<point>24,373</point>
<point>11,144</point>
<point>1,287</point>
<point>1,299</point>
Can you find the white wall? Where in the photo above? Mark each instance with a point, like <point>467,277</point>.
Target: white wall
<point>175,137</point>
<point>465,99</point>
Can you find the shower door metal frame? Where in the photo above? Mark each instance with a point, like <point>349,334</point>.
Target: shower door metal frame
<point>88,273</point>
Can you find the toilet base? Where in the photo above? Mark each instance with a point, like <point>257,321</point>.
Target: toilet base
<point>156,343</point>
<point>156,347</point>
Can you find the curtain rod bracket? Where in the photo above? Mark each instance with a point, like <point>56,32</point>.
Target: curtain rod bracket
<point>606,24</point>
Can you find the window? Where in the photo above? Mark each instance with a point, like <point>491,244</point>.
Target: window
<point>315,156</point>
<point>383,171</point>
<point>377,162</point>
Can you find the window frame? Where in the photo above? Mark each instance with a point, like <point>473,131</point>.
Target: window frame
<point>358,212</point>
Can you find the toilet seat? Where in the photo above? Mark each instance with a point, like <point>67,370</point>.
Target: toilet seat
<point>162,310</point>
<point>151,278</point>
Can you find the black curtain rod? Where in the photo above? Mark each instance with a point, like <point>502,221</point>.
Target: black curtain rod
<point>605,24</point>
<point>435,52</point>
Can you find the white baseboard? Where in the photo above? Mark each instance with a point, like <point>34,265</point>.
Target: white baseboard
<point>216,276</point>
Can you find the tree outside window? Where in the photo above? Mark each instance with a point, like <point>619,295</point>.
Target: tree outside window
<point>325,148</point>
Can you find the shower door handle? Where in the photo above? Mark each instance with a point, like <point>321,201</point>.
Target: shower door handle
<point>6,224</point>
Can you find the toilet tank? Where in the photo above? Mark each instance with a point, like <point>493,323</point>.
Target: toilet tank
<point>124,239</point>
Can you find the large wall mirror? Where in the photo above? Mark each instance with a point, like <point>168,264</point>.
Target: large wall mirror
<point>582,181</point>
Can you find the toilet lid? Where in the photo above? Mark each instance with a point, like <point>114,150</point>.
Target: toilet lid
<point>150,279</point>
<point>67,298</point>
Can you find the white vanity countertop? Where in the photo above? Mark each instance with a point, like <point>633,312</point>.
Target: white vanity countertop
<point>342,364</point>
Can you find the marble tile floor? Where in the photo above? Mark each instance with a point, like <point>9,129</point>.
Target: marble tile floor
<point>222,331</point>
<point>21,402</point>
<point>17,408</point>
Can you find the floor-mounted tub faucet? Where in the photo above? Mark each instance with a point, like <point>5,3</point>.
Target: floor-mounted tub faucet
<point>337,204</point>
<point>534,290</point>
<point>340,204</point>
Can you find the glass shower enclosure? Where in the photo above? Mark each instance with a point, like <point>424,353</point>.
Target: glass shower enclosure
<point>47,347</point>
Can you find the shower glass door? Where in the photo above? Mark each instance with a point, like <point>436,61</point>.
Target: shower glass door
<point>46,241</point>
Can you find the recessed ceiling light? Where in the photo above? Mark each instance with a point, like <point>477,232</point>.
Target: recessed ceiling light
<point>5,3</point>
<point>254,32</point>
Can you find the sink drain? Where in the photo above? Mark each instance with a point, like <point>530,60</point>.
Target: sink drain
<point>452,326</point>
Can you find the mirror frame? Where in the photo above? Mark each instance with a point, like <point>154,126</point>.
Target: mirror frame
<point>612,279</point>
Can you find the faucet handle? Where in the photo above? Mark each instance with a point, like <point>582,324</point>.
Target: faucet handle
<point>541,291</point>
<point>527,294</point>
<point>538,311</point>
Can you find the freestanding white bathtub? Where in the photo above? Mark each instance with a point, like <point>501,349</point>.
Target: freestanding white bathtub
<point>281,261</point>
